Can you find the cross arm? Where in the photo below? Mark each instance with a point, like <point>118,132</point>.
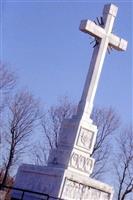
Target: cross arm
<point>117,42</point>
<point>91,28</point>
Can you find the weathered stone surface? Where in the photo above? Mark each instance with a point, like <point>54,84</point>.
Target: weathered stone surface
<point>82,185</point>
<point>76,190</point>
<point>77,155</point>
<point>59,182</point>
<point>81,161</point>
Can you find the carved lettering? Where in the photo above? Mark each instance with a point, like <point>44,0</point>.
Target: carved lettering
<point>76,191</point>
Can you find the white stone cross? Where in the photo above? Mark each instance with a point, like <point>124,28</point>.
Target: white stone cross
<point>105,38</point>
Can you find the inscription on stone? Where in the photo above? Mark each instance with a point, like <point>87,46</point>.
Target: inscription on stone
<point>76,191</point>
<point>85,138</point>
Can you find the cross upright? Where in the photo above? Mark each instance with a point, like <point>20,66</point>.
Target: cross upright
<point>104,39</point>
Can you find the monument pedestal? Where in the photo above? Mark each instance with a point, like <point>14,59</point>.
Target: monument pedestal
<point>69,167</point>
<point>65,184</point>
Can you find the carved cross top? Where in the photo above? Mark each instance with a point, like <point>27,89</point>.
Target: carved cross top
<point>105,39</point>
<point>90,27</point>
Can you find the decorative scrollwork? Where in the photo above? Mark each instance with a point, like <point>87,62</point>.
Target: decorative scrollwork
<point>85,138</point>
<point>80,162</point>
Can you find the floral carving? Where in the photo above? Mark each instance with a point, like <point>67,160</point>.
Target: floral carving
<point>85,138</point>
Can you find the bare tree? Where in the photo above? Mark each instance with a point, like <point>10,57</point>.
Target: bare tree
<point>51,123</point>
<point>124,165</point>
<point>7,78</point>
<point>9,182</point>
<point>56,114</point>
<point>107,122</point>
<point>39,153</point>
<point>7,83</point>
<point>23,114</point>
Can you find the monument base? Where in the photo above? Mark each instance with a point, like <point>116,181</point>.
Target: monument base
<point>65,184</point>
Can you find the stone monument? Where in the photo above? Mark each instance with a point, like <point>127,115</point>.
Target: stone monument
<point>67,175</point>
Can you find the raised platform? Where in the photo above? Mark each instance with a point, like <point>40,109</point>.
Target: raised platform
<point>69,184</point>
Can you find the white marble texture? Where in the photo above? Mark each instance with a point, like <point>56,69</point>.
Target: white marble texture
<point>66,184</point>
<point>106,38</point>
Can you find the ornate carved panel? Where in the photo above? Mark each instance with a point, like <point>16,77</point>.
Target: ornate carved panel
<point>76,191</point>
<point>85,138</point>
<point>81,162</point>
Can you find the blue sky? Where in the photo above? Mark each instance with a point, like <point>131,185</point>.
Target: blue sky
<point>41,41</point>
